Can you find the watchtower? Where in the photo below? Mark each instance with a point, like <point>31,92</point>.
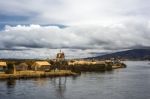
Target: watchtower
<point>60,56</point>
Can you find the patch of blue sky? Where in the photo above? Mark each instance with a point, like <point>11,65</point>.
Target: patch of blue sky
<point>12,18</point>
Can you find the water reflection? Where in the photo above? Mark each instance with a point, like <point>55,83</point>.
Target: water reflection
<point>40,81</point>
<point>10,86</point>
<point>60,86</point>
<point>11,83</point>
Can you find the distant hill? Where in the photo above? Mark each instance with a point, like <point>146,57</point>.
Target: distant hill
<point>134,54</point>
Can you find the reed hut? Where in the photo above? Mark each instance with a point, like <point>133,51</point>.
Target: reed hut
<point>3,66</point>
<point>41,66</point>
<point>22,67</point>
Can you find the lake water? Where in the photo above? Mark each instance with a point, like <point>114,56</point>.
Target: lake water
<point>132,82</point>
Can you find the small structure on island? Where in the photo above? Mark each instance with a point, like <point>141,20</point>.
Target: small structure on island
<point>41,66</point>
<point>3,66</point>
<point>21,67</point>
<point>60,56</point>
<point>59,61</point>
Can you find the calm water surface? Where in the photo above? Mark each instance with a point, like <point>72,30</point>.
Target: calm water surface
<point>132,82</point>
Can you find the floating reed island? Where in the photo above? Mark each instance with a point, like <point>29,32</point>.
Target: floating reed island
<point>88,65</point>
<point>18,69</point>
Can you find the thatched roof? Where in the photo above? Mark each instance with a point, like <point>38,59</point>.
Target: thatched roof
<point>41,63</point>
<point>3,64</point>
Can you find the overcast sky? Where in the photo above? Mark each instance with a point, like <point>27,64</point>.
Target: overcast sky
<point>82,28</point>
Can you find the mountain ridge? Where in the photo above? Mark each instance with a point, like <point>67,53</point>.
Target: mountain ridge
<point>133,54</point>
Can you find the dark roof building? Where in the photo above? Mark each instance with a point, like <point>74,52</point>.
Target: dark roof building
<point>21,67</point>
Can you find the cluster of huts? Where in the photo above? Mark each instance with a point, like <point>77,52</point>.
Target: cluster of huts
<point>36,66</point>
<point>60,58</point>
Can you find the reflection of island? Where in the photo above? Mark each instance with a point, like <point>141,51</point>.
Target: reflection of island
<point>10,86</point>
<point>60,86</point>
<point>11,83</point>
<point>41,81</point>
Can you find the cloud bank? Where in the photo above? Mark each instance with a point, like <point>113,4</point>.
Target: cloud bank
<point>118,36</point>
<point>25,41</point>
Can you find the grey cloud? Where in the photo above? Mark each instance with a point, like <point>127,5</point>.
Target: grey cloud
<point>86,41</point>
<point>119,36</point>
<point>76,12</point>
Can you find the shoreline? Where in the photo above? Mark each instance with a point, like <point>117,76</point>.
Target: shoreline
<point>37,74</point>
